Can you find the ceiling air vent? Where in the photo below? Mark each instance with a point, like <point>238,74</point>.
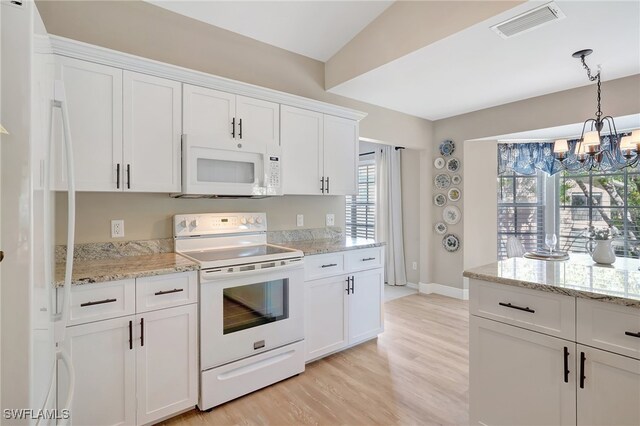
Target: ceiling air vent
<point>529,20</point>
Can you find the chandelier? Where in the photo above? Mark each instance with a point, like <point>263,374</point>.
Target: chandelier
<point>599,146</point>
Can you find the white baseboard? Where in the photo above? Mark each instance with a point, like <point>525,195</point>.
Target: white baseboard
<point>412,285</point>
<point>444,290</point>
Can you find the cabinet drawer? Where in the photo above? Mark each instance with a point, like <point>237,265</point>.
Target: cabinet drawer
<point>548,313</point>
<point>164,291</point>
<point>610,327</point>
<point>361,259</point>
<point>95,302</point>
<point>323,265</point>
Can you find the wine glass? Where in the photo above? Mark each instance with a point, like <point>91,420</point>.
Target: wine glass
<point>550,240</point>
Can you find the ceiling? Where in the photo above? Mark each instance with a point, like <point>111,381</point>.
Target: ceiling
<point>317,29</point>
<point>476,69</point>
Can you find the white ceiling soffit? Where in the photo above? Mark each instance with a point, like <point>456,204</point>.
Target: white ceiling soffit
<point>569,131</point>
<point>476,69</point>
<point>316,29</point>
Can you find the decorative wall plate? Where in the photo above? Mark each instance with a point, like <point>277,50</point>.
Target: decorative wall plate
<point>453,165</point>
<point>439,200</point>
<point>440,228</point>
<point>446,148</point>
<point>442,181</point>
<point>451,215</point>
<point>456,179</point>
<point>439,163</point>
<point>454,194</point>
<point>451,243</point>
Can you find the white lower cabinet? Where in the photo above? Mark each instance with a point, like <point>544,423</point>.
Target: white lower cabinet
<point>609,393</point>
<point>517,376</point>
<point>341,310</point>
<point>135,369</point>
<point>105,379</point>
<point>167,363</point>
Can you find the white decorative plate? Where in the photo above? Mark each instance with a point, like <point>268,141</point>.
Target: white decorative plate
<point>442,181</point>
<point>456,179</point>
<point>439,200</point>
<point>451,215</point>
<point>446,148</point>
<point>451,243</point>
<point>453,165</point>
<point>454,194</point>
<point>440,228</point>
<point>439,163</point>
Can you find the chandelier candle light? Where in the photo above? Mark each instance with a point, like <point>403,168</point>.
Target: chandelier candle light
<point>588,150</point>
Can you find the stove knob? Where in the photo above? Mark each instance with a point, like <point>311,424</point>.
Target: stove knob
<point>258,220</point>
<point>250,220</point>
<point>243,220</point>
<point>183,223</point>
<point>194,223</point>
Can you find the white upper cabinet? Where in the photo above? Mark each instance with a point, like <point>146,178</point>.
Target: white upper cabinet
<point>152,132</point>
<point>319,151</point>
<point>340,155</point>
<point>301,150</point>
<point>230,119</point>
<point>94,100</point>
<point>209,112</point>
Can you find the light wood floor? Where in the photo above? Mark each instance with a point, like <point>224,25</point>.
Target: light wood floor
<point>416,372</point>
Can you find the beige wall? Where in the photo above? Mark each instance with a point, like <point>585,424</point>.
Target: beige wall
<point>411,212</point>
<point>620,97</point>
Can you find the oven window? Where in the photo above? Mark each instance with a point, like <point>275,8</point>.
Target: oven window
<point>253,305</point>
<point>225,171</point>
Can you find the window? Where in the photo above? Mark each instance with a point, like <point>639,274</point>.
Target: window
<point>361,208</point>
<point>602,200</point>
<point>521,211</point>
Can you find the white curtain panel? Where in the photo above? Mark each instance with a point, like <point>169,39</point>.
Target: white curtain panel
<point>389,213</point>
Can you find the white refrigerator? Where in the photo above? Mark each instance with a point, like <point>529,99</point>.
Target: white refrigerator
<point>33,314</point>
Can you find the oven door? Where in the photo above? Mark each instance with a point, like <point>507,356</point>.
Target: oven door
<point>248,312</point>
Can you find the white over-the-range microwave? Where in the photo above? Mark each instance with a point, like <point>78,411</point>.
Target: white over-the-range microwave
<point>238,170</point>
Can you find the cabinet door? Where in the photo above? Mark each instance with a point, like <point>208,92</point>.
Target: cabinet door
<point>152,131</point>
<point>167,362</point>
<point>365,305</point>
<point>340,155</point>
<point>94,102</point>
<point>301,140</point>
<point>326,318</point>
<point>104,364</point>
<point>209,112</point>
<point>260,121</point>
<point>610,394</point>
<point>517,377</point>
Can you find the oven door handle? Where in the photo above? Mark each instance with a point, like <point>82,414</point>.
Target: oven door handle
<point>211,276</point>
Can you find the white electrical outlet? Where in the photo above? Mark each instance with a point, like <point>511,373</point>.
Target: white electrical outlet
<point>300,220</point>
<point>117,228</point>
<point>331,219</point>
<point>414,265</point>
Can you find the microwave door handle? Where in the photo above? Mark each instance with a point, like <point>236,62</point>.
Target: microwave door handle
<point>204,276</point>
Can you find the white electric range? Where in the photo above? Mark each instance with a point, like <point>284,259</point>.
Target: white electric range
<point>251,303</point>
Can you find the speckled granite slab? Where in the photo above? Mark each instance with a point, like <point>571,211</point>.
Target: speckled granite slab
<point>120,268</point>
<point>115,249</point>
<point>281,237</point>
<point>578,277</point>
<point>311,247</point>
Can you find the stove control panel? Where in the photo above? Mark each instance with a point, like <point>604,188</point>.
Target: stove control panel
<point>186,225</point>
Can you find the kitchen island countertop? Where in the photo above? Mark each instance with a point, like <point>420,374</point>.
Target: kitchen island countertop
<point>579,277</point>
<point>112,269</point>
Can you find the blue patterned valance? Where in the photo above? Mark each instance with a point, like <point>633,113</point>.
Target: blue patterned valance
<point>528,158</point>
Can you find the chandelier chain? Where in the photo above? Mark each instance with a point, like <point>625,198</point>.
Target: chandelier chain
<point>593,78</point>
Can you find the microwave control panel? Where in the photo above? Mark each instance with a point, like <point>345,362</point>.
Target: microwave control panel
<point>274,171</point>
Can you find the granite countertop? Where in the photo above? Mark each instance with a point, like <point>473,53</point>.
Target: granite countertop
<point>311,247</point>
<point>578,277</point>
<point>111,269</point>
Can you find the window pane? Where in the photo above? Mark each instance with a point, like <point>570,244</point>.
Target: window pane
<point>505,190</point>
<point>526,189</point>
<point>633,188</point>
<point>608,190</point>
<point>361,209</point>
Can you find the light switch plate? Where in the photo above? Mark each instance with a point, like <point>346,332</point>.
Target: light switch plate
<point>117,228</point>
<point>415,266</point>
<point>300,220</point>
<point>331,219</point>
